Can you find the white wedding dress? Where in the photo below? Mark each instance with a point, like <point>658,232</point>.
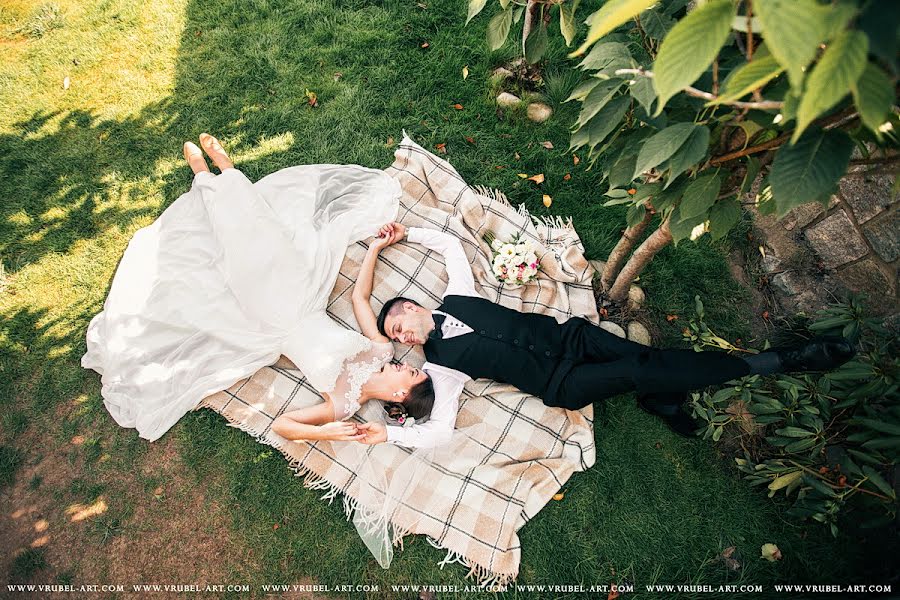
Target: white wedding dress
<point>230,276</point>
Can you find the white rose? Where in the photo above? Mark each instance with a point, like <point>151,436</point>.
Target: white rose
<point>507,250</point>
<point>531,258</point>
<point>496,244</point>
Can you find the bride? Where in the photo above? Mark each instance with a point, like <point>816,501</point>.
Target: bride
<point>234,274</point>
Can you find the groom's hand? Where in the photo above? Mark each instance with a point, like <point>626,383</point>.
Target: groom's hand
<point>373,433</point>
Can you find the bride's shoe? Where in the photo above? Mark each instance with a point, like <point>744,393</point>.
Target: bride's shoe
<point>215,151</point>
<point>194,157</point>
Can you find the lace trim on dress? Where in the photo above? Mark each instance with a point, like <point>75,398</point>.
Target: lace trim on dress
<point>358,374</point>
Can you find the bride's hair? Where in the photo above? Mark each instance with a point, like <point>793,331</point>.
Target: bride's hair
<point>418,403</point>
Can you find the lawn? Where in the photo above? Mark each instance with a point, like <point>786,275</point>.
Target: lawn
<point>96,99</point>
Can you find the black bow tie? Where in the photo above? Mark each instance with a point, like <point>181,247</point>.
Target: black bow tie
<point>437,333</point>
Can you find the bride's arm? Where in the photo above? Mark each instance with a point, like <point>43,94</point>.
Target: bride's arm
<point>362,291</point>
<point>315,423</point>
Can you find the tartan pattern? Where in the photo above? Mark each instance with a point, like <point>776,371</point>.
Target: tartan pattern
<point>524,451</point>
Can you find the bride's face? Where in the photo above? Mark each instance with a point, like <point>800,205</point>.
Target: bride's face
<point>400,377</point>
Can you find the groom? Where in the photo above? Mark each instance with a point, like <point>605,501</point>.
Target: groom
<point>570,365</point>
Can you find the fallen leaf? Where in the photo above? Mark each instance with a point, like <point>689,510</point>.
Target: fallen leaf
<point>338,75</point>
<point>422,5</point>
<point>66,82</point>
<point>770,552</point>
<point>442,148</point>
<point>517,156</point>
<point>499,167</point>
<point>390,141</point>
<point>539,178</point>
<point>727,552</point>
<point>458,106</point>
<point>765,315</point>
<point>613,593</point>
<point>470,139</point>
<point>559,496</point>
<point>425,44</point>
<point>523,175</point>
<point>548,145</point>
<point>275,526</point>
<point>632,191</point>
<point>567,176</point>
<point>575,159</point>
<point>732,564</point>
<point>547,200</point>
<point>658,445</point>
<point>671,318</point>
<point>312,99</point>
<point>465,72</point>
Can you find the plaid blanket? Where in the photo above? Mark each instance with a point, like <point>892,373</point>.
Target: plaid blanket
<point>472,509</point>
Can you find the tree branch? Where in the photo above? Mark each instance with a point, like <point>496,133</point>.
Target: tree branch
<point>692,91</point>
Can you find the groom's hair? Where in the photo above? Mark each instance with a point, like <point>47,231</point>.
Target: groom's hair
<point>394,306</point>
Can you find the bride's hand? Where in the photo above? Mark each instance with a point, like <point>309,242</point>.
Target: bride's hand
<point>373,433</point>
<point>340,431</point>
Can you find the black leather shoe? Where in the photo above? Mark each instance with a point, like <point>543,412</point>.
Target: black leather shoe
<point>668,408</point>
<point>819,354</point>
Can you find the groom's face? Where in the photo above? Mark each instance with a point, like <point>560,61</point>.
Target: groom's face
<point>409,326</point>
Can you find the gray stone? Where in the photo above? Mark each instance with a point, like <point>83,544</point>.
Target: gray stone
<point>506,99</point>
<point>501,73</point>
<point>612,328</point>
<point>636,297</point>
<point>598,265</point>
<point>769,259</point>
<point>638,333</point>
<point>865,276</point>
<point>835,240</point>
<point>787,283</point>
<point>867,195</point>
<point>805,214</point>
<point>883,235</point>
<point>539,112</point>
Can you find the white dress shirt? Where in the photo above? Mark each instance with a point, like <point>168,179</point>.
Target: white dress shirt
<point>448,383</point>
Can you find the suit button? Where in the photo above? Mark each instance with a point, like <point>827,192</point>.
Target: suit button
<point>499,336</point>
<point>547,353</point>
<point>516,342</point>
<point>481,332</point>
<point>530,347</point>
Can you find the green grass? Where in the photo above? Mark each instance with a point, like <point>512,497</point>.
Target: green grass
<point>82,169</point>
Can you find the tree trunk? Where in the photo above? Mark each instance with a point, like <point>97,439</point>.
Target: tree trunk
<point>658,240</point>
<point>623,248</point>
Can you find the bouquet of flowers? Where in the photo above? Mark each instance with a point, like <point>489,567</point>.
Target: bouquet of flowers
<point>515,262</point>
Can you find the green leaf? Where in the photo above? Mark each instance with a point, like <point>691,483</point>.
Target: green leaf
<point>748,77</point>
<point>583,89</point>
<point>812,481</point>
<point>794,432</point>
<point>567,25</point>
<point>607,58</point>
<point>700,196</point>
<point>750,176</point>
<point>877,425</point>
<point>597,99</point>
<point>690,47</point>
<point>635,214</point>
<point>809,169</point>
<point>876,478</point>
<point>620,173</point>
<point>794,29</point>
<point>536,44</point>
<point>608,119</point>
<point>498,28</point>
<point>839,68</point>
<point>683,229</point>
<point>655,23</point>
<point>611,15</point>
<point>661,146</point>
<point>873,94</point>
<point>785,480</point>
<point>642,91</point>
<point>880,21</point>
<point>690,153</point>
<point>475,7</point>
<point>722,217</point>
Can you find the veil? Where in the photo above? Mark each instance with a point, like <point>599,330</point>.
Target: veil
<point>391,477</point>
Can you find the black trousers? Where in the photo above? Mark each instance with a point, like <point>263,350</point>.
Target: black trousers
<point>607,365</point>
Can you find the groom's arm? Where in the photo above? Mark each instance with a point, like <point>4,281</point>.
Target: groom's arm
<point>438,429</point>
<point>460,281</point>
